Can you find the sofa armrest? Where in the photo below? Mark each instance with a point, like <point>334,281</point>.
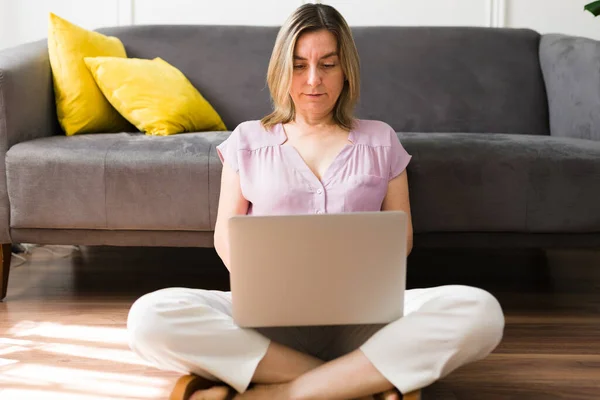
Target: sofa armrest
<point>570,66</point>
<point>27,108</point>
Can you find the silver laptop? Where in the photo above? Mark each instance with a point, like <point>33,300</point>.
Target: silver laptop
<point>324,269</point>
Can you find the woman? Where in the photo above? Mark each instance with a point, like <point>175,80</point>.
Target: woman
<point>312,156</point>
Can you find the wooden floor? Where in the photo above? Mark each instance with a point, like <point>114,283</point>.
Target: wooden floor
<point>62,325</point>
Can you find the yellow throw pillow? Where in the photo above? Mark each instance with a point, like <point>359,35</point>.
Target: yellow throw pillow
<point>153,95</point>
<point>80,106</point>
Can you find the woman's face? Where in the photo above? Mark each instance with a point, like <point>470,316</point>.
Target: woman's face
<point>317,80</point>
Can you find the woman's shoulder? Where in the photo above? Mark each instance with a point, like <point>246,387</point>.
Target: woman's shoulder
<point>252,135</point>
<point>373,132</point>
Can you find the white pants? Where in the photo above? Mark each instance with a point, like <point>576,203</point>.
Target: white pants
<point>192,331</point>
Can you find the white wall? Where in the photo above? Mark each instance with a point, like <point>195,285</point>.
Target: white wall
<point>26,20</point>
<point>564,16</point>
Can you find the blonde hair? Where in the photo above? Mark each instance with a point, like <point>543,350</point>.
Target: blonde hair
<point>309,18</point>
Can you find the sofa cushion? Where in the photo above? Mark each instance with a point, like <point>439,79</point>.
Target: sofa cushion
<point>420,79</point>
<point>505,183</point>
<point>112,181</point>
<point>155,96</point>
<point>452,79</point>
<point>458,182</point>
<point>80,105</point>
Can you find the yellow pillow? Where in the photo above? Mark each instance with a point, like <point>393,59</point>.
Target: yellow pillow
<point>80,106</point>
<point>153,95</point>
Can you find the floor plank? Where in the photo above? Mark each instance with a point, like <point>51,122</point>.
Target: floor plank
<point>62,325</point>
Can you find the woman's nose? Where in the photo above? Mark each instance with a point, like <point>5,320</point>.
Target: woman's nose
<point>314,77</point>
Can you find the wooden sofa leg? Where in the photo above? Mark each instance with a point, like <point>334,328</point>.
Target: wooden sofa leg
<point>6,255</point>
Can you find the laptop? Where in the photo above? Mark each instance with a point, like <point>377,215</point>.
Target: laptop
<point>322,269</point>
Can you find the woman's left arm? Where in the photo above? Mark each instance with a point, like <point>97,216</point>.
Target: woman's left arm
<point>397,199</point>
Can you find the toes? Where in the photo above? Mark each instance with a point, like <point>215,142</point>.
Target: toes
<point>392,394</point>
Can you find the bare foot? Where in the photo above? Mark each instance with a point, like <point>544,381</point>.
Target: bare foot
<point>214,393</point>
<point>391,394</point>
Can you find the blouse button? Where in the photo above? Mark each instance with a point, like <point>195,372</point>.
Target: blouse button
<point>319,191</point>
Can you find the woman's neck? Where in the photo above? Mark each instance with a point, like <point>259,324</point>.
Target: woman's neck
<point>313,123</point>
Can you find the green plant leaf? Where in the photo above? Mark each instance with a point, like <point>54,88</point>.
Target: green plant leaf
<point>593,7</point>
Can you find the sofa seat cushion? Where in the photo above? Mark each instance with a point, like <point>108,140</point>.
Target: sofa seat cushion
<point>458,182</point>
<point>503,182</point>
<point>112,181</point>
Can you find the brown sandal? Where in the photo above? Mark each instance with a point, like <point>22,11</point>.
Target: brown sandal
<point>188,384</point>
<point>416,395</point>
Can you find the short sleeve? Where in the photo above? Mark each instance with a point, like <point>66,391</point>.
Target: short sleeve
<point>399,157</point>
<point>228,150</point>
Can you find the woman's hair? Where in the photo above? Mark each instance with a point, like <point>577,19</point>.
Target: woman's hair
<point>310,18</point>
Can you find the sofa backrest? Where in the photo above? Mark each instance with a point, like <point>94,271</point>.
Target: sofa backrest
<point>419,79</point>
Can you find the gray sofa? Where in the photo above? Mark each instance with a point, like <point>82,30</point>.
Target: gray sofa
<point>503,126</point>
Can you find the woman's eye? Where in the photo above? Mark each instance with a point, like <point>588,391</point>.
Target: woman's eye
<point>298,66</point>
<point>328,65</point>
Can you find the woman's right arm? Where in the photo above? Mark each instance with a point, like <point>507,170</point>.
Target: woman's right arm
<point>231,202</point>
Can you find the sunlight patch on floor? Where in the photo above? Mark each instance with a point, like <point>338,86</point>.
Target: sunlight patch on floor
<point>7,361</point>
<point>59,374</point>
<point>28,394</point>
<point>92,346</point>
<point>98,353</point>
<point>18,342</point>
<point>77,382</point>
<point>99,334</point>
<point>4,350</point>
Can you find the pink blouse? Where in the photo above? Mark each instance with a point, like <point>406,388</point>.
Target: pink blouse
<point>275,179</point>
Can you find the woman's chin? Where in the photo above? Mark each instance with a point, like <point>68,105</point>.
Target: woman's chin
<point>316,109</point>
